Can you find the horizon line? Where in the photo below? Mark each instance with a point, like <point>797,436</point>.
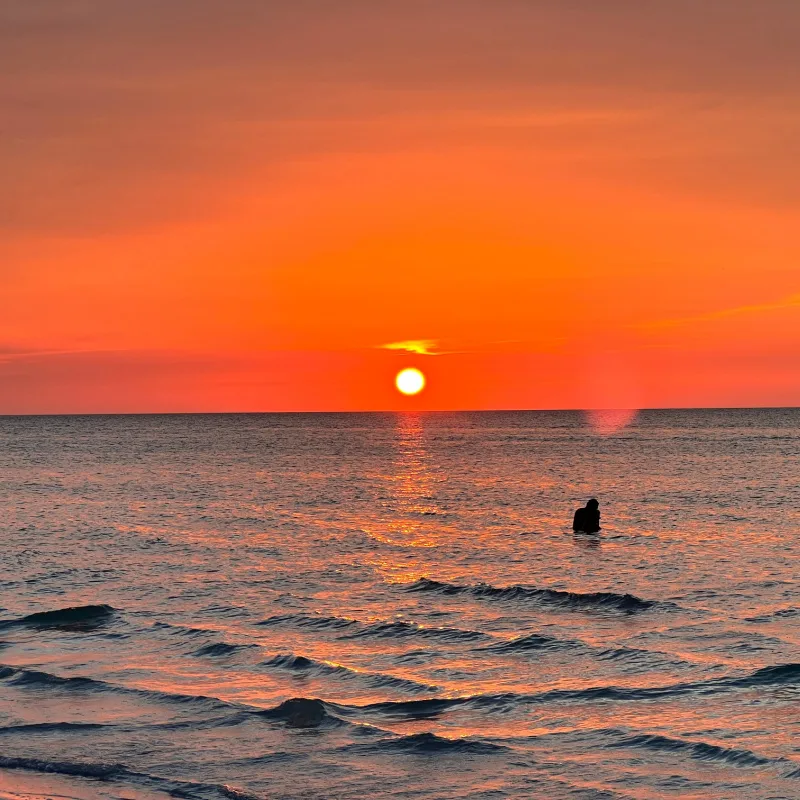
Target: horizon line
<point>24,415</point>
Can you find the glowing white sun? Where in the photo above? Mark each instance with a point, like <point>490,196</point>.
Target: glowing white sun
<point>410,381</point>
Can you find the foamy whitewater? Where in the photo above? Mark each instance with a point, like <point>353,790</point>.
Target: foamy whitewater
<point>395,606</point>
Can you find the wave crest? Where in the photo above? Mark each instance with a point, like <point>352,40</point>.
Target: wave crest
<point>354,629</point>
<point>401,630</point>
<point>320,622</point>
<point>298,663</point>
<point>74,618</point>
<point>220,649</point>
<point>768,676</point>
<point>699,750</point>
<point>524,644</point>
<point>302,712</point>
<point>431,743</point>
<point>78,770</point>
<point>627,603</point>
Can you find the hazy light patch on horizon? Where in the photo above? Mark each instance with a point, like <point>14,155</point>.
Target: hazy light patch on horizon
<point>608,421</point>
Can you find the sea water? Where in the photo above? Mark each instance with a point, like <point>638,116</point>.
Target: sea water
<point>395,606</point>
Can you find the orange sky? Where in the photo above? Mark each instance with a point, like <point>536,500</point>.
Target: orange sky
<point>236,205</point>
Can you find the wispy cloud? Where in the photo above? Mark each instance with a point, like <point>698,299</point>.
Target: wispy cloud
<point>422,347</point>
<point>9,352</point>
<point>452,347</point>
<point>792,301</point>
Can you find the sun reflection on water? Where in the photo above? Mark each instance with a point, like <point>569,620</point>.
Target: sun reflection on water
<point>411,510</point>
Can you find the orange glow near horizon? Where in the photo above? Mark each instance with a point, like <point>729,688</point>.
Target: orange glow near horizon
<point>238,227</point>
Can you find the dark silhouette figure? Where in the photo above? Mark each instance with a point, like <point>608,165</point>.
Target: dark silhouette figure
<point>587,519</point>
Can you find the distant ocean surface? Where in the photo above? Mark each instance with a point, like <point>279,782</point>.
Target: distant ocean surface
<point>395,606</point>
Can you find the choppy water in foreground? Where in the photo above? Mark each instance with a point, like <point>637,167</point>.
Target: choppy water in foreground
<point>389,606</point>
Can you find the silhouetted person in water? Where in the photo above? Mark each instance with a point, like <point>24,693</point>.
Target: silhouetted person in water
<point>587,519</point>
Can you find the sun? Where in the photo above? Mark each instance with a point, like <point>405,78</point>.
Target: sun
<point>410,381</point>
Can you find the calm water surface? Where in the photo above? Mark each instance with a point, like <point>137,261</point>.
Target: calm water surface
<point>394,606</point>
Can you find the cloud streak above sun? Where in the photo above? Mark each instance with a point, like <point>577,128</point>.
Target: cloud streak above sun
<point>422,347</point>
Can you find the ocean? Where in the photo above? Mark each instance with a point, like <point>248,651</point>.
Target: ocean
<point>396,606</point>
